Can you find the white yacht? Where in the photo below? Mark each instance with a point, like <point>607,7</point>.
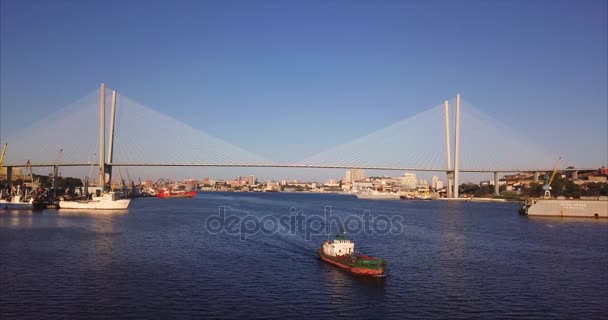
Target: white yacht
<point>106,201</point>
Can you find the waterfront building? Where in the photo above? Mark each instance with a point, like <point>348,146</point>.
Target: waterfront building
<point>358,175</point>
<point>271,186</point>
<point>517,179</point>
<point>190,182</point>
<point>362,185</point>
<point>354,175</point>
<point>597,179</point>
<point>331,182</point>
<point>408,180</point>
<point>348,177</point>
<point>251,180</point>
<point>17,173</point>
<point>439,185</point>
<point>436,183</point>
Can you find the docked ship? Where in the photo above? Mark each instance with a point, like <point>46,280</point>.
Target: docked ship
<point>546,206</point>
<point>416,197</point>
<point>561,207</point>
<point>21,199</point>
<point>178,192</point>
<point>16,203</point>
<point>105,201</point>
<point>341,252</point>
<point>375,195</point>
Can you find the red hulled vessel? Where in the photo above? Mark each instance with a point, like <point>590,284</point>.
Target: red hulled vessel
<point>341,252</point>
<point>166,193</point>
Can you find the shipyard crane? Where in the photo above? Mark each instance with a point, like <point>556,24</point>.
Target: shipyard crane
<point>128,176</point>
<point>28,165</point>
<point>122,182</point>
<point>131,182</point>
<point>92,162</point>
<point>58,160</point>
<point>160,183</point>
<point>1,162</point>
<point>549,179</point>
<point>2,155</point>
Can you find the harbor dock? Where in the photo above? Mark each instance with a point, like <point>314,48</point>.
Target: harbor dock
<point>575,208</point>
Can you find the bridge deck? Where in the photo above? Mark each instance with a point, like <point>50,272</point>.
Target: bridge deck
<point>253,165</point>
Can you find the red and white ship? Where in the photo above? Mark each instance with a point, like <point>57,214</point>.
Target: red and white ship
<point>177,192</point>
<point>341,252</point>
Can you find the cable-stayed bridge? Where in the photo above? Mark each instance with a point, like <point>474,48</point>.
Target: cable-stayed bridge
<point>451,137</point>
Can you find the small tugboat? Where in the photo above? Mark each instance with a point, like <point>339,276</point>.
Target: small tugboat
<point>341,252</point>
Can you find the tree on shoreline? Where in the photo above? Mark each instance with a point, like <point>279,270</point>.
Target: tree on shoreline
<point>47,181</point>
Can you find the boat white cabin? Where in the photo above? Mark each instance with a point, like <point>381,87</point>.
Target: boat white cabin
<point>339,247</point>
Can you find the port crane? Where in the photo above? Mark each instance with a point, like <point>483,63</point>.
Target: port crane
<point>131,182</point>
<point>549,179</point>
<point>3,153</point>
<point>161,183</point>
<point>92,164</point>
<point>28,165</point>
<point>1,162</point>
<point>32,193</point>
<point>122,181</point>
<point>58,160</point>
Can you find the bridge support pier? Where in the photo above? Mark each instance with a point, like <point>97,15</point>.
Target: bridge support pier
<point>449,184</point>
<point>108,168</point>
<point>574,175</point>
<point>535,177</point>
<point>496,186</point>
<point>449,174</point>
<point>457,148</point>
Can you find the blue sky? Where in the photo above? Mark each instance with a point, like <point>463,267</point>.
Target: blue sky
<point>288,79</point>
